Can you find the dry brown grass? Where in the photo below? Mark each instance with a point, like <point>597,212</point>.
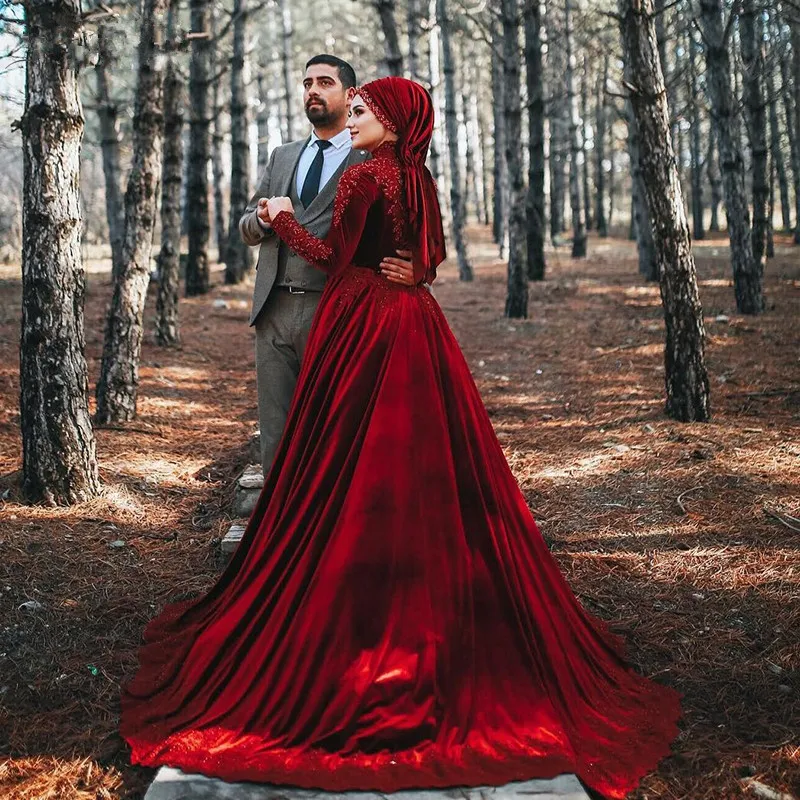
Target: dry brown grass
<point>673,532</point>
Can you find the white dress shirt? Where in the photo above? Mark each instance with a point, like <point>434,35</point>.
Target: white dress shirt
<point>333,157</point>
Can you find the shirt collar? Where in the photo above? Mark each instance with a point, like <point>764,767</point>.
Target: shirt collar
<point>337,142</point>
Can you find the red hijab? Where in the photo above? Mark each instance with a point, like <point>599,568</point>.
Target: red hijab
<point>405,108</point>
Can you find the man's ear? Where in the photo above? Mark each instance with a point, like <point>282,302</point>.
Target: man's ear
<point>351,93</point>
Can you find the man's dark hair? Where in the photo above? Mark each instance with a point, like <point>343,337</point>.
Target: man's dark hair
<point>347,75</point>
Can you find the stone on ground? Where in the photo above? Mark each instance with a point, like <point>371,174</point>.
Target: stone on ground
<point>172,784</point>
<point>248,488</point>
<point>232,538</point>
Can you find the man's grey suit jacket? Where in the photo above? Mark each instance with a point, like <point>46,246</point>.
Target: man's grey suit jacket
<point>317,217</point>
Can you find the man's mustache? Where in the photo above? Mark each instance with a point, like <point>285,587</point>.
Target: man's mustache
<point>316,101</point>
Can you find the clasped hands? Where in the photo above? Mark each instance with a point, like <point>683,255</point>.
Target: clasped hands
<point>398,269</point>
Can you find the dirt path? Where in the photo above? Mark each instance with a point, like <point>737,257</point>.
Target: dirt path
<point>667,530</point>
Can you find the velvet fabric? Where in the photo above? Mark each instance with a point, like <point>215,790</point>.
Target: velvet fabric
<point>406,108</point>
<point>392,618</point>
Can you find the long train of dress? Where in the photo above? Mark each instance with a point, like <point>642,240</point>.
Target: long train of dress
<point>392,618</point>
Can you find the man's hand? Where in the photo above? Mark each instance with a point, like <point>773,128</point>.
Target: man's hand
<point>277,204</point>
<point>262,213</point>
<point>399,269</point>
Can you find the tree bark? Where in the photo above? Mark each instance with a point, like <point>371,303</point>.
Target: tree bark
<point>747,271</point>
<point>197,264</point>
<point>119,371</point>
<point>217,141</point>
<point>500,182</point>
<point>486,180</point>
<point>794,145</point>
<point>238,259</point>
<point>457,211</point>
<point>794,28</point>
<point>600,146</point>
<point>262,119</point>
<point>534,202</point>
<point>776,152</point>
<point>641,226</point>
<point>559,126</point>
<point>575,143</point>
<point>684,355</point>
<point>110,140</point>
<point>714,176</point>
<point>414,25</point>
<point>167,327</point>
<point>287,34</point>
<point>517,288</point>
<point>587,197</point>
<point>391,41</point>
<point>696,166</point>
<point>59,466</point>
<point>751,35</point>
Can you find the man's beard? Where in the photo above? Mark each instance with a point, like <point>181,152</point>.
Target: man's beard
<point>319,114</point>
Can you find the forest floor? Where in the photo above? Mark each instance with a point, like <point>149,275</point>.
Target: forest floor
<point>679,534</point>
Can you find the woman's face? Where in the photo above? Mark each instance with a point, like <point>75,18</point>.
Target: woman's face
<point>365,128</point>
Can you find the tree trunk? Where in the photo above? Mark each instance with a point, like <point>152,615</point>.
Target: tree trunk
<point>684,355</point>
<point>167,329</point>
<point>238,259</point>
<point>119,371</point>
<point>752,34</point>
<point>287,33</point>
<point>262,120</point>
<point>110,144</point>
<point>612,184</point>
<point>601,113</point>
<point>794,145</point>
<point>587,197</point>
<point>771,211</point>
<point>391,41</point>
<point>197,266</point>
<point>747,271</point>
<point>472,110</point>
<point>641,226</point>
<point>559,140</point>
<point>438,141</point>
<point>58,448</point>
<point>517,290</point>
<point>534,203</point>
<point>217,141</point>
<point>776,152</point>
<point>696,166</point>
<point>794,27</point>
<point>575,143</point>
<point>457,211</point>
<point>500,196</point>
<point>414,26</point>
<point>714,176</point>
<point>483,137</point>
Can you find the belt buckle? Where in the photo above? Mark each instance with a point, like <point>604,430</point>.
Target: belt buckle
<point>292,290</point>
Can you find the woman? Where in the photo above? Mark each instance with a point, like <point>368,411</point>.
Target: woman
<point>392,618</point>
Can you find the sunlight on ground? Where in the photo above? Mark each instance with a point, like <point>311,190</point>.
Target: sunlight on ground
<point>158,471</point>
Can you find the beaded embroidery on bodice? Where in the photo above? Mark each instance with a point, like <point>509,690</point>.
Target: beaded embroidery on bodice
<point>385,168</point>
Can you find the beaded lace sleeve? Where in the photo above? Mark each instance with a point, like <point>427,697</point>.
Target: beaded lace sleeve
<point>356,193</point>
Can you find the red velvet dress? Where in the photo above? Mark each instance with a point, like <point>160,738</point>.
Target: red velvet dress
<point>392,618</point>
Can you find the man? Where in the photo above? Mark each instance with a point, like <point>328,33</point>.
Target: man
<point>287,289</point>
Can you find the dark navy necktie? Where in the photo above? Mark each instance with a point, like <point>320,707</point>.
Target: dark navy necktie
<point>311,184</point>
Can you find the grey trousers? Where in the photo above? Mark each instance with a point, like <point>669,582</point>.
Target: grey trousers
<point>281,333</point>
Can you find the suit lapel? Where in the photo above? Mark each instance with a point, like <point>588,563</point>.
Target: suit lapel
<point>323,200</point>
<point>293,153</point>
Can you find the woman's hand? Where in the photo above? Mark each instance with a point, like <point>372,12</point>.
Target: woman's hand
<point>399,269</point>
<point>277,204</point>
